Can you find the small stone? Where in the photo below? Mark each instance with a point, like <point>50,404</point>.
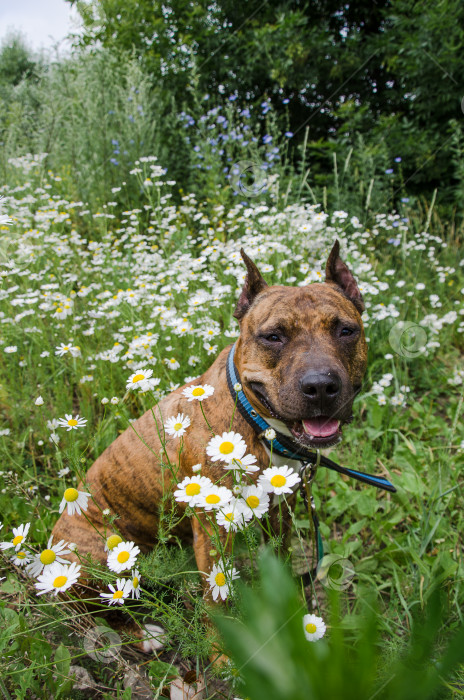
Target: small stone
<point>138,683</point>
<point>192,690</point>
<point>84,680</point>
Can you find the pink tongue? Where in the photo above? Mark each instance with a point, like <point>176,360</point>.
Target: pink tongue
<point>322,426</point>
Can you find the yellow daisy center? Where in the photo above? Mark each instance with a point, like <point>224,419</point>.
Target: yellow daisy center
<point>21,555</point>
<point>198,391</point>
<point>123,557</point>
<point>278,480</point>
<point>60,581</point>
<point>137,378</point>
<point>311,628</point>
<point>18,539</point>
<point>72,422</point>
<point>229,517</point>
<point>212,498</point>
<point>118,594</point>
<point>226,447</point>
<point>48,556</point>
<point>71,495</point>
<point>135,582</point>
<point>177,426</point>
<point>113,541</point>
<point>192,489</point>
<point>220,579</point>
<point>253,501</point>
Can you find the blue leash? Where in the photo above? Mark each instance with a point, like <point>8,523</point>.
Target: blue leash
<point>285,447</point>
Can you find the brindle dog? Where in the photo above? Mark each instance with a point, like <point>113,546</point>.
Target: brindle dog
<point>301,356</point>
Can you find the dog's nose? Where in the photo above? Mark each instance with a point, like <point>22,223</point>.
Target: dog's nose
<point>321,387</point>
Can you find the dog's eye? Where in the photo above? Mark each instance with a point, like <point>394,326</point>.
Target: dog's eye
<point>346,331</point>
<point>273,338</point>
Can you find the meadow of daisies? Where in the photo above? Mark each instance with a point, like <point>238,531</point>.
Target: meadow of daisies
<point>106,309</point>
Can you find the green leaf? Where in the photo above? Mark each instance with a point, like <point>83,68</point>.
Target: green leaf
<point>62,660</point>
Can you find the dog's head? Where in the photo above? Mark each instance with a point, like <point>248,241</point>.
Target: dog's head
<point>302,353</point>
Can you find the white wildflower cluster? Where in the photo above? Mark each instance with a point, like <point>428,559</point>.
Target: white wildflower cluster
<point>381,390</point>
<point>55,574</point>
<point>233,509</point>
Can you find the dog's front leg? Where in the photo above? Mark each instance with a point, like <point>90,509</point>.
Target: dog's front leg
<point>206,543</point>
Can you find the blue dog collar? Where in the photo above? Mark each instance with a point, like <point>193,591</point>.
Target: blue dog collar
<point>284,446</point>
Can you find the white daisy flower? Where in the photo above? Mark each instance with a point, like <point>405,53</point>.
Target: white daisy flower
<point>63,349</point>
<point>196,468</point>
<point>39,401</point>
<point>143,380</point>
<point>135,583</point>
<point>172,363</point>
<point>21,558</point>
<point>19,535</point>
<point>278,480</point>
<point>255,501</point>
<point>246,464</point>
<point>314,627</point>
<point>270,434</point>
<point>53,553</point>
<point>71,423</point>
<point>58,578</point>
<point>220,580</point>
<point>198,393</point>
<point>237,387</point>
<point>226,447</point>
<point>112,541</point>
<point>231,516</point>
<point>4,218</point>
<point>190,488</point>
<point>75,500</point>
<point>123,556</point>
<point>176,426</point>
<point>119,593</point>
<point>213,497</point>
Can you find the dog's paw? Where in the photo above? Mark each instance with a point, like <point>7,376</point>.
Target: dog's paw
<point>154,638</point>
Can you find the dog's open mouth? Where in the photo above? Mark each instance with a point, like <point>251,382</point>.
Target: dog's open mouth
<point>321,431</point>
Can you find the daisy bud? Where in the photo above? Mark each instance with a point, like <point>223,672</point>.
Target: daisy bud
<point>237,387</point>
<point>237,490</point>
<point>115,400</point>
<point>196,468</point>
<point>39,401</point>
<point>270,434</point>
<point>212,553</point>
<point>104,400</point>
<point>106,511</point>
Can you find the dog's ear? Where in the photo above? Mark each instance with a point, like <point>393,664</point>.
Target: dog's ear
<point>337,272</point>
<point>254,284</point>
